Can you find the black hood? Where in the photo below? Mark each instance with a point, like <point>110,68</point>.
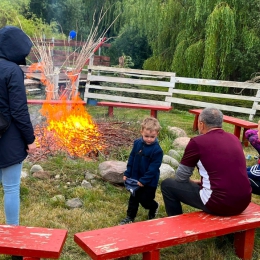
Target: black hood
<point>15,45</point>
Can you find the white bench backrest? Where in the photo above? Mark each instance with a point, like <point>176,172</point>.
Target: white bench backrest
<point>129,85</point>
<point>161,88</point>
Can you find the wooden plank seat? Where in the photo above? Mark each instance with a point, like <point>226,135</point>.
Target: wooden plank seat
<point>238,123</point>
<point>148,237</point>
<point>154,109</point>
<point>32,243</point>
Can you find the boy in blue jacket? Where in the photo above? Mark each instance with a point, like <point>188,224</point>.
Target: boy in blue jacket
<point>143,165</point>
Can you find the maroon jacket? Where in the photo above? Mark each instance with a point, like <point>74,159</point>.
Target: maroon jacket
<point>221,162</point>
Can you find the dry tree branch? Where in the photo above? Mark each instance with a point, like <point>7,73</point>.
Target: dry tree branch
<point>43,51</point>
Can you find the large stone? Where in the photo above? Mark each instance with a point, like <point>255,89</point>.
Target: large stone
<point>42,175</point>
<point>174,154</point>
<point>178,132</point>
<point>166,171</point>
<point>86,184</point>
<point>36,168</point>
<point>112,171</point>
<point>89,176</point>
<point>181,142</point>
<point>74,203</point>
<point>169,160</point>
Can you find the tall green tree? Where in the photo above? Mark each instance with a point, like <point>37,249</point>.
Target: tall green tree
<point>199,38</point>
<point>130,43</point>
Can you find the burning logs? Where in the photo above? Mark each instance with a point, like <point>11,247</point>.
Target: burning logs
<point>112,136</point>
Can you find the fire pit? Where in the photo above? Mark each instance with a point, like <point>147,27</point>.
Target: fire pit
<point>67,125</point>
<point>68,128</point>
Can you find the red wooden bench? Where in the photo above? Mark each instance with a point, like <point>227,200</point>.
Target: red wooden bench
<point>32,243</point>
<point>148,237</point>
<point>153,109</point>
<point>53,102</point>
<point>238,123</point>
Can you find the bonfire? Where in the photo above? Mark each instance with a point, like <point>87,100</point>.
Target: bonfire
<point>68,126</point>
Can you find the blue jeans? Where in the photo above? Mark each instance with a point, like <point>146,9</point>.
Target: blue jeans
<point>10,177</point>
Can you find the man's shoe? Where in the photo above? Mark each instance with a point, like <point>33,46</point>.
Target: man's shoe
<point>126,220</point>
<point>16,257</point>
<point>152,213</point>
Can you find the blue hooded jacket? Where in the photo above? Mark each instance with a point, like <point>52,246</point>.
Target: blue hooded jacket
<point>15,45</point>
<point>144,163</point>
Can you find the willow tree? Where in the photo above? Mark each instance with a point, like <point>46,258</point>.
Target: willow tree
<point>158,21</point>
<point>199,38</point>
<point>219,41</point>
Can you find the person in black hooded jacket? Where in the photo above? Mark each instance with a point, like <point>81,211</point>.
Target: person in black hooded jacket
<point>18,140</point>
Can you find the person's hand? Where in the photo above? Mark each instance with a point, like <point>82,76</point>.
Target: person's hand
<point>140,184</point>
<point>124,178</point>
<point>31,147</point>
<point>196,181</point>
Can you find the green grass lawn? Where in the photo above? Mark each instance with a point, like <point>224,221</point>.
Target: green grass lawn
<point>105,205</point>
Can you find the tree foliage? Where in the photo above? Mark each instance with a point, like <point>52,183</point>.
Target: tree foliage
<point>219,41</point>
<point>199,38</point>
<point>14,13</point>
<point>78,15</point>
<point>194,38</point>
<point>130,43</point>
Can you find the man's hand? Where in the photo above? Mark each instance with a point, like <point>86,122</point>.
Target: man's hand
<point>196,181</point>
<point>140,184</point>
<point>124,178</point>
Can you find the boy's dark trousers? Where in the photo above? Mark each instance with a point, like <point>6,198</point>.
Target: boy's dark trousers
<point>145,196</point>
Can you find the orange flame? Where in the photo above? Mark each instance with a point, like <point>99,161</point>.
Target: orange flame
<point>72,127</point>
<point>69,126</point>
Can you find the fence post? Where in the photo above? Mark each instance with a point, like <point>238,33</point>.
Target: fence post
<point>170,90</point>
<point>251,116</point>
<point>87,86</point>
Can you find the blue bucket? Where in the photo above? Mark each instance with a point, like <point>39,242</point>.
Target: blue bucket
<point>92,102</point>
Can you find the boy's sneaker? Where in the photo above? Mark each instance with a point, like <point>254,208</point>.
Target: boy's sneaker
<point>152,213</point>
<point>126,220</point>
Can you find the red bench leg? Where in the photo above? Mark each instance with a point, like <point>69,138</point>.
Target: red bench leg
<point>244,140</point>
<point>244,244</point>
<point>154,113</point>
<point>152,255</point>
<point>195,123</point>
<point>237,131</point>
<point>110,111</point>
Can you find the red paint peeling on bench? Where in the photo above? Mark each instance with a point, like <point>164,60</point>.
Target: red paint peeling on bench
<point>148,237</point>
<point>238,123</point>
<point>31,242</point>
